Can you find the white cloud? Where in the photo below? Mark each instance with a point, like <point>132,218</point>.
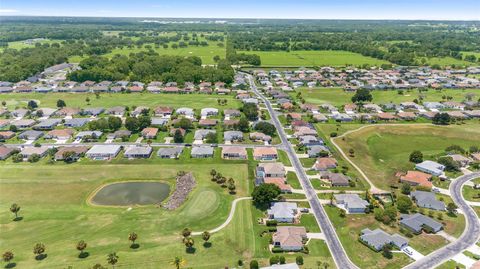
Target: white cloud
<point>8,11</point>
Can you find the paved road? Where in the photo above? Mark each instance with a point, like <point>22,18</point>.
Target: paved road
<point>340,257</point>
<point>229,218</point>
<point>470,235</point>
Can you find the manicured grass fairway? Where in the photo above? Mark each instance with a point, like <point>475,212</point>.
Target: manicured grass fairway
<point>106,100</point>
<point>313,58</point>
<point>384,149</point>
<point>53,200</point>
<point>339,97</point>
<point>448,61</point>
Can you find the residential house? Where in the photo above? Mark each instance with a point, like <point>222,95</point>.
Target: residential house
<point>230,113</point>
<point>265,154</point>
<point>159,121</point>
<point>351,202</point>
<point>201,134</point>
<point>116,111</point>
<point>5,152</point>
<point>336,179</point>
<point>119,134</point>
<point>460,159</point>
<point>208,111</point>
<point>416,178</point>
<point>67,112</point>
<point>257,136</point>
<point>47,124</point>
<point>234,153</point>
<point>289,238</point>
<point>149,133</point>
<point>207,123</point>
<point>91,134</point>
<point>103,152</point>
<point>93,111</point>
<point>170,153</point>
<point>430,167</point>
<point>23,124</point>
<point>60,134</point>
<point>77,152</point>
<point>30,135</point>
<point>377,238</point>
<point>316,150</point>
<point>138,151</point>
<point>185,111</point>
<point>427,200</point>
<point>76,122</point>
<point>202,152</point>
<point>325,163</point>
<point>140,110</point>
<point>418,222</point>
<point>26,152</point>
<point>163,111</point>
<point>233,136</point>
<point>4,135</point>
<point>284,212</point>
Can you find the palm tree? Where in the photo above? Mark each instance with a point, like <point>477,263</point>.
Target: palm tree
<point>38,250</point>
<point>189,242</point>
<point>186,232</point>
<point>213,172</point>
<point>206,236</point>
<point>7,257</point>
<point>81,246</point>
<point>112,259</point>
<point>14,208</point>
<point>178,262</point>
<point>132,237</point>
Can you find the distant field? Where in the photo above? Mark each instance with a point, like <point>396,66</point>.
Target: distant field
<point>477,54</point>
<point>206,53</point>
<point>313,58</point>
<point>21,45</point>
<point>338,97</point>
<point>195,101</point>
<point>447,61</point>
<point>384,150</point>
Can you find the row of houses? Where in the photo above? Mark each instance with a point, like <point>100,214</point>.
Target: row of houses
<point>374,78</point>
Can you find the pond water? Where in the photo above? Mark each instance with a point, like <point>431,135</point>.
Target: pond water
<point>132,193</point>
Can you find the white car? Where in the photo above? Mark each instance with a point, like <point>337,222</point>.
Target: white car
<point>408,251</point>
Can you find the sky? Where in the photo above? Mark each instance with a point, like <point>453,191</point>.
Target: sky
<point>278,9</point>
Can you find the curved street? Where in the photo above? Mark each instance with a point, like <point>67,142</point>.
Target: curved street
<point>338,252</point>
<point>470,235</point>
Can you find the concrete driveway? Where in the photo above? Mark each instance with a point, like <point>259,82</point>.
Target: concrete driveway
<point>412,253</point>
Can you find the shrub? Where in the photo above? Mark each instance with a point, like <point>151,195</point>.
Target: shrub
<point>299,260</point>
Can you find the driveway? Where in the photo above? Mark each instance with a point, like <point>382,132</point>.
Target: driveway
<point>412,253</point>
<point>464,260</point>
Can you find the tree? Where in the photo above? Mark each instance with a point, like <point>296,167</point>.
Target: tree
<point>177,136</point>
<point>189,242</point>
<point>14,208</point>
<point>387,251</point>
<point>112,259</point>
<point>211,138</point>
<point>206,236</point>
<point>406,188</point>
<point>178,262</point>
<point>404,204</point>
<point>416,156</point>
<point>143,122</point>
<point>81,246</point>
<point>362,95</point>
<point>186,232</point>
<point>251,111</point>
<point>441,119</point>
<point>132,237</point>
<point>87,100</point>
<point>131,123</point>
<point>449,163</point>
<point>184,123</point>
<point>114,123</point>
<point>254,264</point>
<point>32,105</point>
<point>266,128</point>
<point>213,172</point>
<point>38,250</point>
<point>451,208</point>
<point>299,260</point>
<point>264,194</point>
<point>243,125</point>
<point>7,257</point>
<point>61,103</point>
<point>4,103</point>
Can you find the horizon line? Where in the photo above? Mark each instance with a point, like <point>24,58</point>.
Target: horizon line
<point>246,18</point>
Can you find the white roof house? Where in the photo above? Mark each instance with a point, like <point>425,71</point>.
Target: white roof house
<point>283,211</point>
<point>103,152</point>
<point>430,167</point>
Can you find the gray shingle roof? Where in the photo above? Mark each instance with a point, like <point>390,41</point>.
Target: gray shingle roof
<point>417,221</point>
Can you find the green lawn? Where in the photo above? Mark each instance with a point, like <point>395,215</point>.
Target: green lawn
<point>106,100</point>
<point>381,151</point>
<point>447,61</point>
<point>450,265</point>
<point>21,45</point>
<point>348,230</point>
<point>471,194</point>
<point>339,97</point>
<point>313,58</point>
<point>55,212</point>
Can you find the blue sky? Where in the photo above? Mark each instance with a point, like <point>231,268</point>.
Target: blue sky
<point>302,9</point>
